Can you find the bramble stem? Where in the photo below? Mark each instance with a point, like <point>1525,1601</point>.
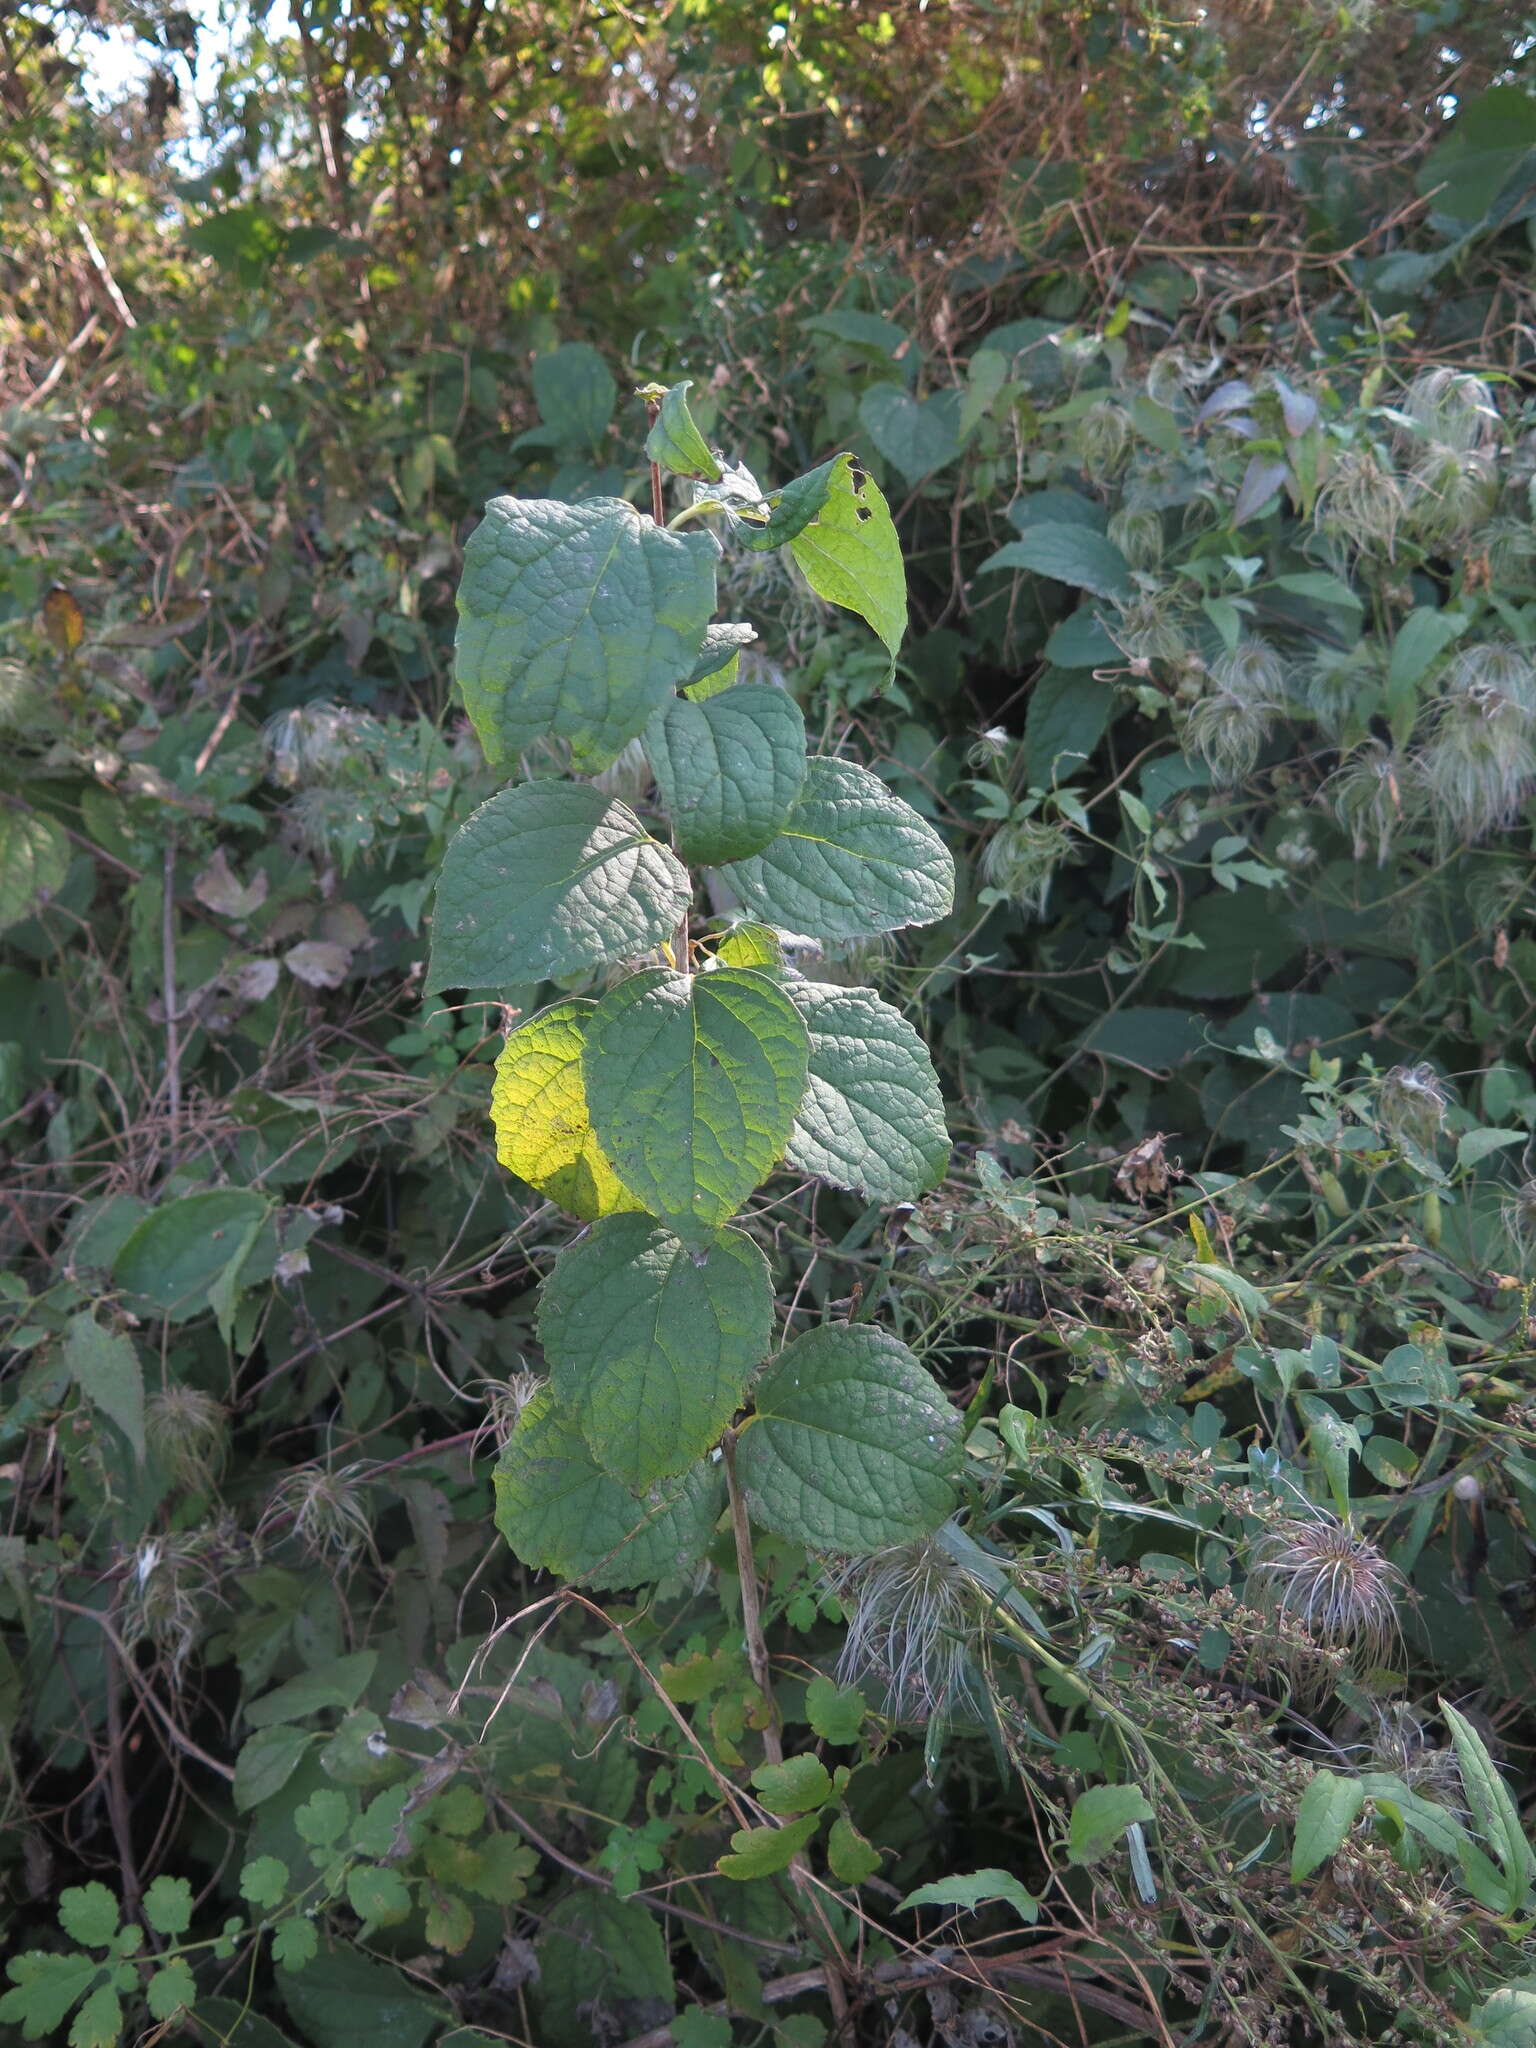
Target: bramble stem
<point>658,503</point>
<point>751,1612</point>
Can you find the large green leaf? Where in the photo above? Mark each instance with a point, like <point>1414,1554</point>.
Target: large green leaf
<point>729,769</point>
<point>235,2025</point>
<point>692,1085</point>
<point>853,860</point>
<point>105,1367</point>
<point>652,1344</point>
<point>546,879</point>
<point>849,554</point>
<point>34,859</point>
<point>853,1445</point>
<point>873,1114</point>
<point>1492,136</point>
<point>1068,553</point>
<point>916,436</point>
<point>559,1509</point>
<point>1067,716</point>
<point>1100,1817</point>
<point>575,393</point>
<point>1327,1810</point>
<point>173,1259</point>
<point>1508,2018</point>
<point>601,1960</point>
<point>1493,1810</point>
<point>575,621</point>
<point>266,1763</point>
<point>539,1113</point>
<point>344,1997</point>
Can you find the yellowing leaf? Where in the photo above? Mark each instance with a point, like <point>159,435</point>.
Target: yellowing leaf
<point>63,620</point>
<point>539,1111</point>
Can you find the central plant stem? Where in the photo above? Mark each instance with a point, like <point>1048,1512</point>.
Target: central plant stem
<point>751,1611</point>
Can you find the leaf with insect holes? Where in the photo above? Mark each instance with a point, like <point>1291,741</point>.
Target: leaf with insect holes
<point>873,1114</point>
<point>546,879</point>
<point>575,621</point>
<point>853,1445</point>
<point>560,1510</point>
<point>692,1085</point>
<point>652,1345</point>
<point>849,553</point>
<point>729,769</point>
<point>852,861</point>
<point>539,1114</point>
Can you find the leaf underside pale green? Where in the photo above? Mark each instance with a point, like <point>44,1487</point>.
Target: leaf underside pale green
<point>729,769</point>
<point>675,441</point>
<point>692,1083</point>
<point>853,1445</point>
<point>873,1115</point>
<point>715,668</point>
<point>560,1510</point>
<point>546,879</point>
<point>574,623</point>
<point>651,1345</point>
<point>852,861</point>
<point>539,1113</point>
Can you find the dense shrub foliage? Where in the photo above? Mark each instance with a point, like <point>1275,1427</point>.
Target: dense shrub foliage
<point>1125,1633</point>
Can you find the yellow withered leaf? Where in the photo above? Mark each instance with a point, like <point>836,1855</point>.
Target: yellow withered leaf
<point>63,620</point>
<point>539,1112</point>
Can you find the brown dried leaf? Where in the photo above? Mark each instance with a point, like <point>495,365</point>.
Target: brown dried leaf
<point>218,888</point>
<point>318,963</point>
